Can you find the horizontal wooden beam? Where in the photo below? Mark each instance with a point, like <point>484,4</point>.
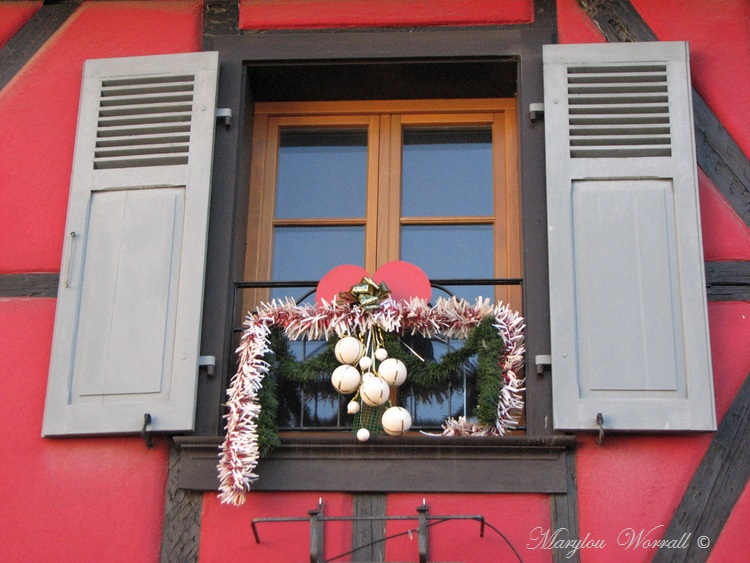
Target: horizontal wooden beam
<point>728,281</point>
<point>29,285</point>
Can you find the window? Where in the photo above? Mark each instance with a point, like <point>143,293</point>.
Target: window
<point>430,182</point>
<point>344,67</point>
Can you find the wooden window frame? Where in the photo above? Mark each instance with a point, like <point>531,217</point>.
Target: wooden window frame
<point>532,463</point>
<point>385,122</point>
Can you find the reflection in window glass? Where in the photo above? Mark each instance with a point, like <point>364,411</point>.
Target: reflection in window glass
<point>451,251</point>
<point>321,174</point>
<point>447,172</point>
<point>307,253</point>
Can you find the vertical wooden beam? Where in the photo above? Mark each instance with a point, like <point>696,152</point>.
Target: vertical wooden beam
<point>182,516</point>
<point>220,17</point>
<point>368,533</point>
<point>565,512</point>
<point>30,38</point>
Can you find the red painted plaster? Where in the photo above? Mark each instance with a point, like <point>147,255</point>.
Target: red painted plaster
<point>38,111</point>
<point>516,516</point>
<point>71,499</point>
<point>719,36</point>
<point>632,482</point>
<point>13,15</point>
<point>729,324</point>
<point>732,541</point>
<point>290,14</point>
<point>574,26</point>
<point>226,534</point>
<point>725,235</point>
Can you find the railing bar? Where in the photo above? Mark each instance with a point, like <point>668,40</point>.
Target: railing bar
<point>448,281</point>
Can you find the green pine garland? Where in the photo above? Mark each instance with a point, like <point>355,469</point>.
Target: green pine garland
<point>484,342</point>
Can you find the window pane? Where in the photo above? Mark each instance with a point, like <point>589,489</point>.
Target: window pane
<point>430,408</point>
<point>447,172</point>
<point>321,173</point>
<point>307,253</point>
<point>451,251</point>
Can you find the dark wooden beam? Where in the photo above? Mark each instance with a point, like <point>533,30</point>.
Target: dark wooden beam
<point>564,510</point>
<point>728,281</point>
<point>219,18</point>
<point>716,485</point>
<point>182,516</point>
<point>368,535</point>
<point>717,153</point>
<point>30,38</point>
<point>29,285</point>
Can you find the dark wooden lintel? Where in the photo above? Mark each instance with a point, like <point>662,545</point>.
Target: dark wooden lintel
<point>424,464</point>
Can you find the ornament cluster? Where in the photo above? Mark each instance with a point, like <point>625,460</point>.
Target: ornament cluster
<point>367,371</point>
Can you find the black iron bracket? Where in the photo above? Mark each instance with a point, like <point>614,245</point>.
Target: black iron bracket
<point>317,520</point>
<point>145,433</point>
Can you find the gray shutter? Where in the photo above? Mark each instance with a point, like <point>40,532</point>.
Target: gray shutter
<point>127,328</point>
<point>627,291</point>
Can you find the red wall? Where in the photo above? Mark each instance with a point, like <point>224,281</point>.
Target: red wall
<point>272,14</point>
<point>102,499</point>
<point>68,499</point>
<point>13,16</point>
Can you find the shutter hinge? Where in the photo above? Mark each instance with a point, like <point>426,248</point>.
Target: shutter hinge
<point>600,424</point>
<point>536,112</point>
<point>209,362</point>
<point>224,114</point>
<point>542,361</point>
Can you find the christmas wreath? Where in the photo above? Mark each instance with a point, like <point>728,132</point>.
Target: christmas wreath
<point>365,329</point>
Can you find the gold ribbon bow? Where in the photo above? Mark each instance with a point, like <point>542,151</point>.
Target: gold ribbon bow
<point>366,293</point>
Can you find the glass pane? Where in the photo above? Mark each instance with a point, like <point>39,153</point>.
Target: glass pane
<point>430,408</point>
<point>447,172</point>
<point>321,173</point>
<point>314,404</point>
<point>451,251</point>
<point>307,253</point>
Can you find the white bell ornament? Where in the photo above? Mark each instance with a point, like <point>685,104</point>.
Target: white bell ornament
<point>374,391</point>
<point>396,421</point>
<point>349,350</point>
<point>345,379</point>
<point>392,371</point>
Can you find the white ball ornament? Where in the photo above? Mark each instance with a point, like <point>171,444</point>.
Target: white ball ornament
<point>349,350</point>
<point>363,434</point>
<point>365,363</point>
<point>396,421</point>
<point>392,371</point>
<point>374,391</point>
<point>381,354</point>
<point>352,407</point>
<point>345,379</point>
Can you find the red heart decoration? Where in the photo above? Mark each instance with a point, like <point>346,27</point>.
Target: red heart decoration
<point>405,280</point>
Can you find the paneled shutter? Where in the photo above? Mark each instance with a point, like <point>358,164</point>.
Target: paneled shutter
<point>627,291</point>
<point>127,328</point>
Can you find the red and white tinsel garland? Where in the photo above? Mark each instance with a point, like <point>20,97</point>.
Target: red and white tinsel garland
<point>452,318</point>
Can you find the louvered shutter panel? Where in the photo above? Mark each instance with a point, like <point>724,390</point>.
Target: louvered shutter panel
<point>627,293</point>
<point>127,327</point>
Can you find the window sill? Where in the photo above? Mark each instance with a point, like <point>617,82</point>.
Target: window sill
<point>306,462</point>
